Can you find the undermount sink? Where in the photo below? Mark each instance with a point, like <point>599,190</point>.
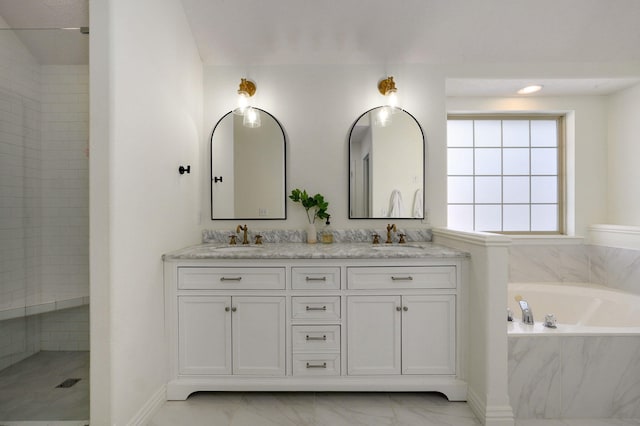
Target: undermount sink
<point>396,247</point>
<point>237,248</point>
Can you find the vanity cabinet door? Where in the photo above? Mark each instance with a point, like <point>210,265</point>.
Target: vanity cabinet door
<point>258,335</point>
<point>204,330</point>
<point>428,334</point>
<point>373,335</point>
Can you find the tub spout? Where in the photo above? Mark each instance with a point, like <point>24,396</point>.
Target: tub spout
<point>527,313</point>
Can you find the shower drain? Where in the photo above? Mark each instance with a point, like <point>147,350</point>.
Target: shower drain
<point>68,383</point>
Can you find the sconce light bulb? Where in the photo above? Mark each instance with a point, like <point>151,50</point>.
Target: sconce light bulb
<point>243,103</point>
<point>251,118</point>
<point>392,99</point>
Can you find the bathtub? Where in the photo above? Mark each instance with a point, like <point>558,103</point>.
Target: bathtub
<point>580,309</point>
<point>587,367</point>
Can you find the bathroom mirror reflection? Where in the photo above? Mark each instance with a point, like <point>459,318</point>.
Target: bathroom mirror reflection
<point>386,166</point>
<point>248,169</point>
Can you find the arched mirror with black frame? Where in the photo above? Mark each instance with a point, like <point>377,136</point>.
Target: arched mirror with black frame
<point>248,169</point>
<point>386,166</point>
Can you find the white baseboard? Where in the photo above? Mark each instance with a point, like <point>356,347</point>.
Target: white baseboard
<point>146,412</point>
<point>489,415</point>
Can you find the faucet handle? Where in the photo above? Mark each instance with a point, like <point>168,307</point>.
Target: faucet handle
<point>376,238</point>
<point>402,240</point>
<point>258,239</point>
<point>232,240</point>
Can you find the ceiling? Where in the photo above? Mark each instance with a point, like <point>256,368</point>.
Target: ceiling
<point>38,24</point>
<point>599,38</point>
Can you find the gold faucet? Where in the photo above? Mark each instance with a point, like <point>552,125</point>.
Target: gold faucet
<point>390,228</point>
<point>244,235</point>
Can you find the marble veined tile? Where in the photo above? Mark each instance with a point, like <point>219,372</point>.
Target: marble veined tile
<point>548,263</point>
<point>601,377</point>
<point>535,377</point>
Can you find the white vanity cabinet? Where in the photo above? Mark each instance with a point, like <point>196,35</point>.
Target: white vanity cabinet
<point>315,324</point>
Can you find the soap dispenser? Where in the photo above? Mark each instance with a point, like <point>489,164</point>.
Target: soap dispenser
<point>327,232</point>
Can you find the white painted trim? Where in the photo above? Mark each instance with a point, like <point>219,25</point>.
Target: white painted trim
<point>618,236</point>
<point>489,415</point>
<point>539,240</point>
<point>485,239</point>
<point>146,412</point>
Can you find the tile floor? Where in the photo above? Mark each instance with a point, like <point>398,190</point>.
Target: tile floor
<point>333,409</point>
<point>28,389</point>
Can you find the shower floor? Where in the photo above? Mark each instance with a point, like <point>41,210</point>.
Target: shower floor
<point>28,389</point>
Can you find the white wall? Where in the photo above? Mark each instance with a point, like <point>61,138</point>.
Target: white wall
<point>624,151</point>
<point>146,81</point>
<point>586,148</point>
<point>317,105</point>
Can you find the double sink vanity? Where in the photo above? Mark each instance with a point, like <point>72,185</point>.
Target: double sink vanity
<point>290,316</point>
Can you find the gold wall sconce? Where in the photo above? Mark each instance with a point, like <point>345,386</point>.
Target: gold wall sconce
<point>251,115</point>
<point>387,87</point>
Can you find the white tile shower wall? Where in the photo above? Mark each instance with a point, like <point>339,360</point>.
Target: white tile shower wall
<point>575,377</point>
<point>615,267</point>
<point>65,182</point>
<point>65,330</point>
<point>548,263</point>
<point>20,195</point>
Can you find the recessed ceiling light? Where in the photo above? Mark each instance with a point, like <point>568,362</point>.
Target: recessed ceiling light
<point>530,89</point>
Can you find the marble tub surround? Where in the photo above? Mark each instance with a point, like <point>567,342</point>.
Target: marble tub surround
<point>300,236</point>
<point>615,267</point>
<point>575,377</point>
<point>549,263</point>
<point>315,251</point>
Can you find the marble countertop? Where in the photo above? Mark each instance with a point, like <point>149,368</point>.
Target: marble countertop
<point>359,250</point>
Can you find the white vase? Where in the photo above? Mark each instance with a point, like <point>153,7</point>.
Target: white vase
<point>312,234</point>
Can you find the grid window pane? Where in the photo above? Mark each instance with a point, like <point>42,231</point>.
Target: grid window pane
<point>515,133</point>
<point>516,161</point>
<point>487,133</point>
<point>460,190</point>
<point>544,161</point>
<point>544,189</point>
<point>460,161</point>
<point>488,190</point>
<point>505,174</point>
<point>488,161</point>
<point>515,189</point>
<point>460,133</point>
<point>488,218</point>
<point>515,217</point>
<point>544,133</point>
<point>544,217</point>
<point>460,217</point>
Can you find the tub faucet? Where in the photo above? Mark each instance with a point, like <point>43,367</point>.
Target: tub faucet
<point>527,314</point>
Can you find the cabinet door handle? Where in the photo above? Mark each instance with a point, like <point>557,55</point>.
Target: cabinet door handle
<point>230,278</point>
<point>398,308</point>
<point>405,308</point>
<point>233,309</point>
<point>324,337</point>
<point>316,278</point>
<point>323,365</point>
<point>226,309</point>
<point>409,278</point>
<point>311,308</point>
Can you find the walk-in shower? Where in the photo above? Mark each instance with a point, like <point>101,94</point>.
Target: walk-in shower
<point>44,224</point>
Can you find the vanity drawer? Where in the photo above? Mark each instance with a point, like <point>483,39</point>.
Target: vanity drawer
<point>409,277</point>
<point>231,278</point>
<point>324,308</point>
<point>316,338</point>
<point>315,278</point>
<point>316,364</point>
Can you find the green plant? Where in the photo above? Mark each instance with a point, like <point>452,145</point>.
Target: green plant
<point>317,204</point>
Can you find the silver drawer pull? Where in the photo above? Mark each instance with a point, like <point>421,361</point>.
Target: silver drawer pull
<point>311,308</point>
<point>230,278</point>
<point>317,338</point>
<point>323,365</point>
<point>409,278</point>
<point>316,278</point>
